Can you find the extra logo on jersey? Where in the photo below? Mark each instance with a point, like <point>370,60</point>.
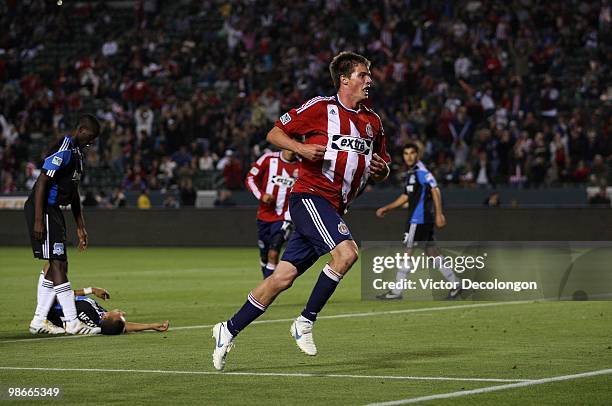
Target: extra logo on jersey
<point>282,181</point>
<point>56,160</point>
<point>351,144</point>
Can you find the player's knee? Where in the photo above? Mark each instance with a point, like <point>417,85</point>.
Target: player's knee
<point>352,255</point>
<point>281,281</point>
<point>283,276</point>
<point>56,265</point>
<point>345,255</point>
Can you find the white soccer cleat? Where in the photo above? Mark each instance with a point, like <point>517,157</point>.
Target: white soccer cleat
<point>389,296</point>
<point>301,330</point>
<point>77,327</point>
<point>224,341</point>
<point>45,327</point>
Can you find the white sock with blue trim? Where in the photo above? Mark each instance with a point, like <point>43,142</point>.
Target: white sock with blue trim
<point>447,271</point>
<point>65,297</point>
<point>45,297</point>
<point>400,276</point>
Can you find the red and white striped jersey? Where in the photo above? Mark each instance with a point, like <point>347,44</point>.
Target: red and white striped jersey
<point>351,138</point>
<point>272,175</point>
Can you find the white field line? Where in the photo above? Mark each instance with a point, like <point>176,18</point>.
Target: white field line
<point>335,316</point>
<point>493,388</point>
<point>273,374</point>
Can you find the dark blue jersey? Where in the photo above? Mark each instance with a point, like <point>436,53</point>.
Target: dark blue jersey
<point>419,182</point>
<point>88,311</point>
<point>64,166</point>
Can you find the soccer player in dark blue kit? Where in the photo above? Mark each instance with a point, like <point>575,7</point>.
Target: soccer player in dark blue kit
<point>57,186</point>
<point>424,200</point>
<point>90,312</point>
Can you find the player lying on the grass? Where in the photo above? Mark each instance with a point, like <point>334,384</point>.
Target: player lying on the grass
<point>96,319</point>
<point>424,200</point>
<point>344,146</point>
<point>270,179</point>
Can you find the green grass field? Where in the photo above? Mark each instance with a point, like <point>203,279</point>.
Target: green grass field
<point>372,352</point>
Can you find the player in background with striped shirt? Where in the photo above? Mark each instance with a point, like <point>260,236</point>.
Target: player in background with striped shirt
<point>270,180</point>
<point>344,146</point>
<point>424,200</point>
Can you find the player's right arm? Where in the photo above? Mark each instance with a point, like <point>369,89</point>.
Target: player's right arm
<point>400,201</point>
<point>52,164</point>
<point>281,139</point>
<point>133,327</point>
<point>254,180</point>
<point>297,123</point>
<point>40,192</point>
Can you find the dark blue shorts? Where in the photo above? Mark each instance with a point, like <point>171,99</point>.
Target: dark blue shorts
<point>318,229</point>
<point>271,235</point>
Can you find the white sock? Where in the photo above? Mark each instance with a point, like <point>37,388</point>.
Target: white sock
<point>304,319</point>
<point>399,278</point>
<point>44,298</point>
<point>447,271</point>
<point>65,297</point>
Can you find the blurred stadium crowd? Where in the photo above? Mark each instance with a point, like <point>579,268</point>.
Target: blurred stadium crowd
<point>498,92</point>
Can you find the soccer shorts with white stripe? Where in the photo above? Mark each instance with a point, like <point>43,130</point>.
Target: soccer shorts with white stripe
<point>53,244</point>
<point>318,230</point>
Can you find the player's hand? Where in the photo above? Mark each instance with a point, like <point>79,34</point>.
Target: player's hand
<point>379,170</point>
<point>267,199</point>
<point>162,326</point>
<point>381,212</point>
<point>313,152</point>
<point>39,230</point>
<point>82,233</point>
<point>101,293</point>
<point>440,220</point>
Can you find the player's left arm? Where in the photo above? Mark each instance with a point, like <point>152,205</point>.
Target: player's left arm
<point>379,165</point>
<point>98,292</point>
<point>437,200</point>
<point>427,180</point>
<point>77,211</point>
<point>134,327</point>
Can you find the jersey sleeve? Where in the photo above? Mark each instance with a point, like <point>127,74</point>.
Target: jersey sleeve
<point>253,180</point>
<point>302,120</point>
<point>426,178</point>
<point>56,161</point>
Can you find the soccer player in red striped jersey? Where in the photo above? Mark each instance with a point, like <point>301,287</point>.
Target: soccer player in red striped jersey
<point>344,146</point>
<point>270,180</point>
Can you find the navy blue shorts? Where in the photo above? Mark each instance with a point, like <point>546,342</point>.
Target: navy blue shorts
<point>318,229</point>
<point>272,235</point>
